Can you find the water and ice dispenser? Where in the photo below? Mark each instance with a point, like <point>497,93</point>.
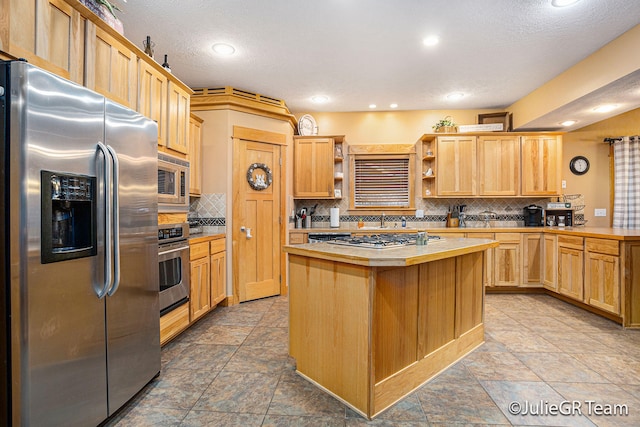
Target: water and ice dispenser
<point>68,225</point>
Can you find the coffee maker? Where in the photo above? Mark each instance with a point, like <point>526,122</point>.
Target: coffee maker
<point>533,216</point>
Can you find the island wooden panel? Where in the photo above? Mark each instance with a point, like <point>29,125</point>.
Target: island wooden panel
<point>329,324</point>
<point>436,317</point>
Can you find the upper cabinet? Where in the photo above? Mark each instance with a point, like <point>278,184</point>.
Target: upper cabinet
<point>178,112</point>
<point>316,161</point>
<point>152,97</point>
<point>48,33</point>
<point>195,155</point>
<point>499,164</point>
<point>111,67</point>
<point>456,165</point>
<point>541,162</point>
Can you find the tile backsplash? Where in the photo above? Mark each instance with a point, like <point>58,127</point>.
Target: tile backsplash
<point>509,212</point>
<point>208,209</point>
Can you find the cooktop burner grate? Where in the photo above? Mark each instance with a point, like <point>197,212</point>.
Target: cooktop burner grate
<point>380,241</point>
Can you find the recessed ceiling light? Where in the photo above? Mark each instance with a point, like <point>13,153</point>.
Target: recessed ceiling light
<point>319,99</point>
<point>605,108</point>
<point>431,41</point>
<point>563,3</point>
<point>372,106</point>
<point>568,122</point>
<point>223,49</point>
<point>393,106</point>
<point>455,96</point>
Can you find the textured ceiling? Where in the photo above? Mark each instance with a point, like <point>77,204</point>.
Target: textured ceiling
<point>359,52</point>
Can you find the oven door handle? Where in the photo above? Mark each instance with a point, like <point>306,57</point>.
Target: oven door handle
<point>170,251</point>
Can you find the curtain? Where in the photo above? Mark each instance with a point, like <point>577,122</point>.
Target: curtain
<point>626,204</point>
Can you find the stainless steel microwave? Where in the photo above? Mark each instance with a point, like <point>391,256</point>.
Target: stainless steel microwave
<point>173,184</point>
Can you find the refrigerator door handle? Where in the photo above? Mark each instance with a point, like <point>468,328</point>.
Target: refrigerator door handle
<point>115,214</point>
<point>108,280</point>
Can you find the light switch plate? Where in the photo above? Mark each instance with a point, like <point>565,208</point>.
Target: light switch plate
<point>564,183</point>
<point>600,212</point>
<point>419,213</point>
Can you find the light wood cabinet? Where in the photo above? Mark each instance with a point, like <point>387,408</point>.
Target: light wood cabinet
<point>489,279</point>
<point>218,271</point>
<point>111,67</point>
<point>541,157</point>
<point>550,261</point>
<point>602,274</point>
<point>195,155</point>
<point>152,97</point>
<point>178,113</point>
<point>314,166</point>
<point>456,165</point>
<point>570,266</point>
<point>199,266</point>
<point>49,34</point>
<point>507,260</point>
<point>498,165</point>
<point>532,259</point>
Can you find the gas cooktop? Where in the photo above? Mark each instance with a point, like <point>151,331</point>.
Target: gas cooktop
<point>379,241</point>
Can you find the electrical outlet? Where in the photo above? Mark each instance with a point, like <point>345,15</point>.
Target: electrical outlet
<point>419,213</point>
<point>600,212</point>
<point>564,183</point>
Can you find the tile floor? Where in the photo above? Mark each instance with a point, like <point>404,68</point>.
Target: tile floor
<point>232,369</point>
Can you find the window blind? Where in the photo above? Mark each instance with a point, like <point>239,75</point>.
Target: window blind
<point>381,182</point>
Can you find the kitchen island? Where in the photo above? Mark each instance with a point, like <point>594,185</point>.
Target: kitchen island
<point>369,326</point>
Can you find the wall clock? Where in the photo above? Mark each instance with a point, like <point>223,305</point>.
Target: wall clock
<point>579,165</point>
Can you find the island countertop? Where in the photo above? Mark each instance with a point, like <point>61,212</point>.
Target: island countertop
<point>392,257</point>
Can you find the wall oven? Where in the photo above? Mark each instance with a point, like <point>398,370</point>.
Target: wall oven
<point>173,184</point>
<point>173,264</point>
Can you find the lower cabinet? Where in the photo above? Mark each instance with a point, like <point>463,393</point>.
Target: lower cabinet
<point>173,323</point>
<point>488,257</point>
<point>550,261</point>
<point>570,266</point>
<point>531,259</point>
<point>506,265</point>
<point>199,266</point>
<point>602,274</point>
<point>218,281</point>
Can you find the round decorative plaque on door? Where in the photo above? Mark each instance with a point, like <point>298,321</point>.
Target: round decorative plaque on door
<point>259,176</point>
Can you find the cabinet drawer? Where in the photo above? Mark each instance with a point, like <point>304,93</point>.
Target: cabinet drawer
<point>174,322</point>
<point>217,245</point>
<point>508,237</point>
<point>571,242</point>
<point>603,246</point>
<point>198,250</point>
<point>296,238</point>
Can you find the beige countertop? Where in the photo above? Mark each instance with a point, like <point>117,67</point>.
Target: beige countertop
<point>595,232</point>
<point>208,233</point>
<point>392,257</point>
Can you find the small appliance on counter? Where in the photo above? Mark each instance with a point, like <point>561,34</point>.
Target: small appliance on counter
<point>559,217</point>
<point>533,216</point>
<point>194,227</point>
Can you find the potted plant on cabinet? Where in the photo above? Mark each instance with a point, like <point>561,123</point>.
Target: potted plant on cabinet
<point>106,11</point>
<point>445,125</point>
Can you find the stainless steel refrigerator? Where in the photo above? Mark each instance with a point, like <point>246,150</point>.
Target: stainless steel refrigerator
<point>78,225</point>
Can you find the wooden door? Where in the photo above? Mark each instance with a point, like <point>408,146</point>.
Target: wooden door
<point>570,276</point>
<point>313,167</point>
<point>602,281</point>
<point>507,260</point>
<point>550,261</point>
<point>541,163</point>
<point>531,259</point>
<point>456,165</point>
<point>256,217</point>
<point>499,165</point>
